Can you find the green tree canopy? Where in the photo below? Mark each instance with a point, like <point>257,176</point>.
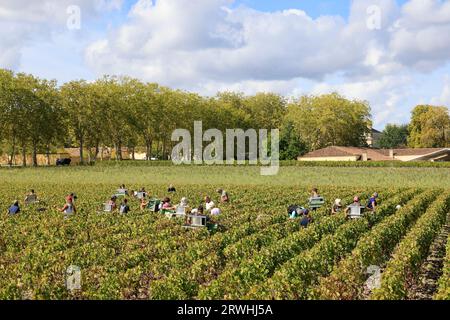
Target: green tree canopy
<point>330,119</point>
<point>394,136</point>
<point>429,127</point>
<point>291,145</point>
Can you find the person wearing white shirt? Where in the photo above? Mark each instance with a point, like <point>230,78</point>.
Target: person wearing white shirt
<point>209,203</point>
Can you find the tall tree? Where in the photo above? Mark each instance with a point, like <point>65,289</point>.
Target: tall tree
<point>429,127</point>
<point>266,110</point>
<point>330,119</point>
<point>9,125</point>
<point>76,101</point>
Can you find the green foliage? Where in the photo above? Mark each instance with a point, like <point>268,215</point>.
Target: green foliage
<point>327,120</point>
<point>394,136</point>
<point>124,112</point>
<point>444,282</point>
<point>429,127</point>
<point>346,282</point>
<point>291,146</point>
<point>256,253</point>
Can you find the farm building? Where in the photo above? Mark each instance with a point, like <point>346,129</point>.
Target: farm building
<point>373,138</point>
<point>335,153</point>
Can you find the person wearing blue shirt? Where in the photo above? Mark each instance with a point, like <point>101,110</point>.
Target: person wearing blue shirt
<point>306,220</point>
<point>14,209</point>
<point>372,205</point>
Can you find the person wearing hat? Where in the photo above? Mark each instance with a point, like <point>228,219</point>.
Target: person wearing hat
<point>337,206</point>
<point>184,202</point>
<point>372,205</point>
<point>296,211</point>
<point>14,209</point>
<point>223,196</point>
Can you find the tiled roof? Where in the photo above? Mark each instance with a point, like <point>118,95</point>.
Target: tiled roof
<point>328,152</point>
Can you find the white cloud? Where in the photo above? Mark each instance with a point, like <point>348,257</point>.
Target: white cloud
<point>173,42</point>
<point>23,22</point>
<point>420,36</point>
<point>444,97</point>
<point>206,46</point>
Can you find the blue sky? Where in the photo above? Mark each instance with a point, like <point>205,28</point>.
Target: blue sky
<point>199,46</point>
<point>313,7</point>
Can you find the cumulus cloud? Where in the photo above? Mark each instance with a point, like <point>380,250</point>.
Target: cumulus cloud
<point>375,53</point>
<point>24,21</point>
<point>172,42</point>
<point>207,46</point>
<point>420,36</point>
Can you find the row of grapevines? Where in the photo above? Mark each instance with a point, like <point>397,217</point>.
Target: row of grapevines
<point>184,283</point>
<point>294,279</point>
<point>348,277</point>
<point>444,282</point>
<point>409,255</point>
<point>248,246</point>
<point>233,283</point>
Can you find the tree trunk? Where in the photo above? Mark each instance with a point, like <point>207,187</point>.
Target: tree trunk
<point>148,151</point>
<point>81,150</point>
<point>24,155</point>
<point>133,155</point>
<point>89,149</point>
<point>157,147</point>
<point>13,151</point>
<point>164,149</point>
<point>96,150</point>
<point>48,155</point>
<point>34,154</point>
<point>116,149</point>
<point>119,150</point>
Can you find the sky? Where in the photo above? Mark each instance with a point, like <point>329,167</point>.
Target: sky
<point>394,54</point>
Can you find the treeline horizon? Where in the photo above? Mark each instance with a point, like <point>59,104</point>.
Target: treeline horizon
<point>37,117</point>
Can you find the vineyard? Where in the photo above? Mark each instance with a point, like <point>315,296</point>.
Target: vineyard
<point>257,252</point>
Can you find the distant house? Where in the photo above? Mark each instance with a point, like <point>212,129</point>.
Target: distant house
<point>335,153</point>
<point>373,138</point>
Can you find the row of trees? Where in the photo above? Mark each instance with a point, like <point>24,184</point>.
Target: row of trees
<point>429,128</point>
<point>38,116</point>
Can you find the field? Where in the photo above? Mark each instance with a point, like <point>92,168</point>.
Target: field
<point>257,253</point>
